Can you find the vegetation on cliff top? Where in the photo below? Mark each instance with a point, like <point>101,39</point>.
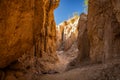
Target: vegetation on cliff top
<point>86,5</point>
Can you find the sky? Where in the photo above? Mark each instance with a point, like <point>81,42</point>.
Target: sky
<point>66,9</point>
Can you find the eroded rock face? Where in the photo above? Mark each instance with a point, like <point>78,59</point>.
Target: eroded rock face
<point>28,26</point>
<point>59,34</point>
<point>16,34</point>
<point>104,29</point>
<point>45,32</point>
<point>68,32</point>
<point>83,42</point>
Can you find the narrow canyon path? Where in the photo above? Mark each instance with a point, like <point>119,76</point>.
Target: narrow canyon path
<point>109,70</point>
<point>65,57</point>
<point>95,72</point>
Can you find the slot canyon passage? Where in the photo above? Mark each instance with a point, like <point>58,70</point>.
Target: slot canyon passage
<point>85,47</point>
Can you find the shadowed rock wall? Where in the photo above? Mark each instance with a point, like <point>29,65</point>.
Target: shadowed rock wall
<point>27,27</point>
<point>104,29</point>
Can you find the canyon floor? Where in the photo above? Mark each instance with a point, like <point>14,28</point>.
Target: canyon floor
<point>109,70</point>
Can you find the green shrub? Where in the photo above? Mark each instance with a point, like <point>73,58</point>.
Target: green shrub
<point>86,4</point>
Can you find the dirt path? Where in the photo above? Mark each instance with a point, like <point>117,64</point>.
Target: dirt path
<point>65,58</point>
<point>108,71</point>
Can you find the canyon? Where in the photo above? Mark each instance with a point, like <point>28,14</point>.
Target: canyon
<point>85,47</point>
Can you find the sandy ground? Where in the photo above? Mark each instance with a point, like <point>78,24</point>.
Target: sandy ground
<point>107,71</point>
<point>65,58</point>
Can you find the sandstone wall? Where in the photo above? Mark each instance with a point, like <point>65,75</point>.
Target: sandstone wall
<point>45,31</point>
<point>83,43</point>
<point>27,27</point>
<point>104,29</point>
<point>99,36</point>
<point>82,39</point>
<point>68,32</point>
<point>16,34</point>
